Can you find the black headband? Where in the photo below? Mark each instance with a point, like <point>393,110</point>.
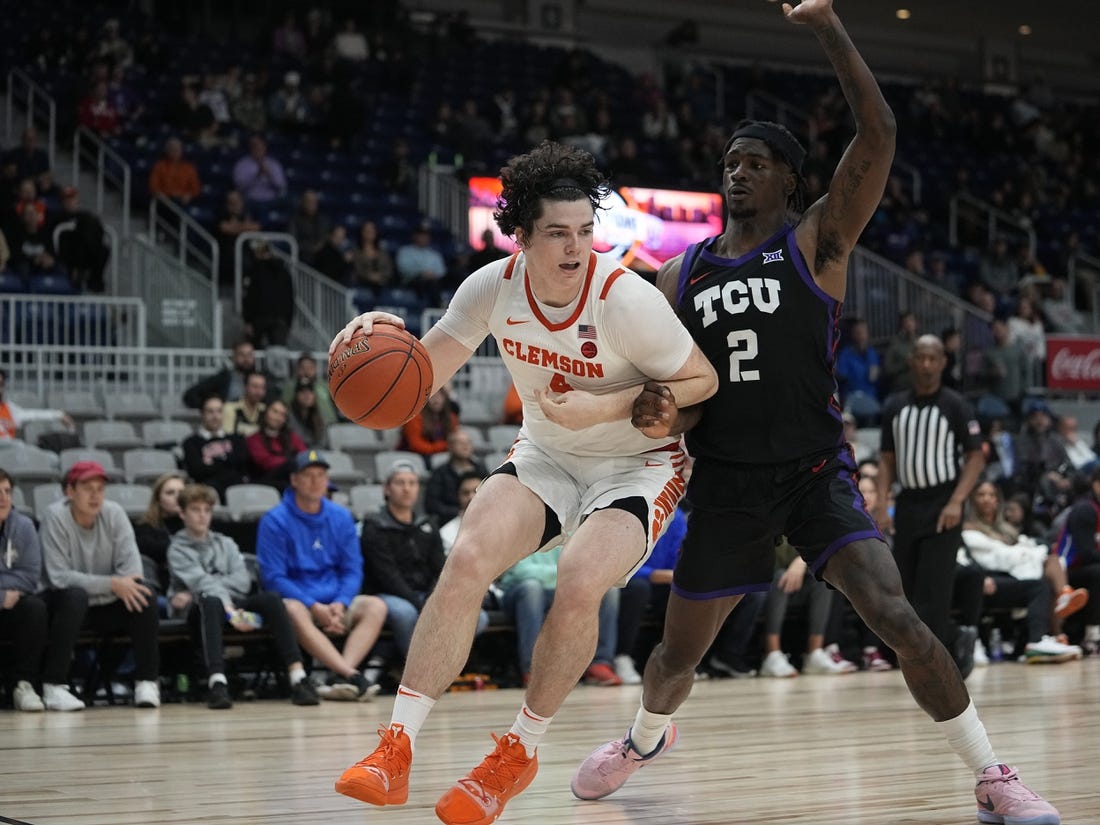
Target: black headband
<point>789,149</point>
<point>561,183</point>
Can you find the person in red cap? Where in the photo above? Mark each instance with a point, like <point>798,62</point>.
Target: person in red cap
<point>93,573</point>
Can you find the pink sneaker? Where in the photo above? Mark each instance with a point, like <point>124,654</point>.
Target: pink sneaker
<point>1004,800</point>
<point>609,766</point>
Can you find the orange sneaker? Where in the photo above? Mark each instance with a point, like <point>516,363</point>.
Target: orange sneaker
<point>480,797</point>
<point>383,777</point>
<point>1069,601</point>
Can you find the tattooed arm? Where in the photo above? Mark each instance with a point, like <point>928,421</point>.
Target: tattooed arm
<point>831,227</point>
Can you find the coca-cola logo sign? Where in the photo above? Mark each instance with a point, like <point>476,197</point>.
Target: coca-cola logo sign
<point>1073,363</point>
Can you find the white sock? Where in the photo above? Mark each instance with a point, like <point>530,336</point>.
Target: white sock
<point>215,678</point>
<point>967,737</point>
<point>647,730</point>
<point>530,728</point>
<point>1092,633</point>
<point>296,675</point>
<point>411,709</point>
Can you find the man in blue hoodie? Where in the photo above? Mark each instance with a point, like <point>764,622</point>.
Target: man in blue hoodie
<point>308,552</point>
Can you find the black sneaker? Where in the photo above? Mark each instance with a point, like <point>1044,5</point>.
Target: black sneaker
<point>364,687</point>
<point>218,698</point>
<point>304,693</point>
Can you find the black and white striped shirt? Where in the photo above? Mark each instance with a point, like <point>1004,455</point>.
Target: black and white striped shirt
<point>928,436</point>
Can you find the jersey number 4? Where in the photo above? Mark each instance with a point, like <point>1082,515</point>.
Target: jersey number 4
<point>742,343</point>
<point>559,384</point>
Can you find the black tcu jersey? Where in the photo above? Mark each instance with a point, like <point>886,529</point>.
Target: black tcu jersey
<point>771,334</point>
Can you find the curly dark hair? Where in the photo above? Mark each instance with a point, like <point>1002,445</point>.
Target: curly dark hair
<point>550,171</point>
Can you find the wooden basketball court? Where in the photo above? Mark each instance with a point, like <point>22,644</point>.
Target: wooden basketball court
<point>816,749</point>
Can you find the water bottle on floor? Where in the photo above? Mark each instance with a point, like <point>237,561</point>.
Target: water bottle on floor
<point>996,645</point>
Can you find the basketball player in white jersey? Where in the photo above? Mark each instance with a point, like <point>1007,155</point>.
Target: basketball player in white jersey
<point>580,336</point>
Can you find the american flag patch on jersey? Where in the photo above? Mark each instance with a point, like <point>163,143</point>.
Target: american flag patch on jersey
<point>586,331</point>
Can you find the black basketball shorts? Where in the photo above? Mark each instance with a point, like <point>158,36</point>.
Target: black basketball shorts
<point>738,513</point>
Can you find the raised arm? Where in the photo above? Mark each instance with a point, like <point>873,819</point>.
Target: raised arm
<point>832,226</point>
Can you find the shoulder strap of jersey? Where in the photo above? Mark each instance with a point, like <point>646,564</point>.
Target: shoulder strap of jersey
<point>691,254</point>
<point>511,266</point>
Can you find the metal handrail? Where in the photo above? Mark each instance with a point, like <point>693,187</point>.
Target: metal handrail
<point>179,231</point>
<point>995,219</point>
<point>104,154</point>
<point>800,118</point>
<point>19,80</point>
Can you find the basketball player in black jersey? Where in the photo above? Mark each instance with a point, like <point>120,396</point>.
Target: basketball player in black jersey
<point>762,300</point>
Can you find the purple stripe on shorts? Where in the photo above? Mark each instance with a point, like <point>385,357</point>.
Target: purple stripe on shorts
<point>843,542</point>
<point>740,590</point>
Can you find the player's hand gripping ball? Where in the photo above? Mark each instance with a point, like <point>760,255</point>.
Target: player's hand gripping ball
<point>380,380</point>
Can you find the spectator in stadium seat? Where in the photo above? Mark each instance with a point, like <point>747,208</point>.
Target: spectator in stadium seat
<point>1041,463</point>
<point>173,176</point>
<point>305,418</point>
<point>402,555</point>
<point>212,456</point>
<point>309,225</point>
<point>1080,454</point>
<point>233,220</point>
<point>371,263</point>
<point>426,432</point>
<point>30,160</point>
<point>249,110</point>
<point>267,308</point>
<point>420,265</point>
<point>32,251</point>
<point>245,417</point>
<point>529,587</point>
<point>895,366</point>
<point>488,253</point>
<point>1005,367</point>
<point>273,447</point>
<point>13,416</point>
<point>84,249</point>
<point>305,369</point>
<point>468,483</point>
<point>210,568</point>
<point>259,177</point>
<point>442,495</point>
<point>153,531</point>
<point>94,575</point>
<point>857,373</point>
<point>97,113</point>
<point>228,383</point>
<point>791,584</point>
<point>23,616</point>
<point>309,554</point>
<point>1024,572</point>
<point>333,258</point>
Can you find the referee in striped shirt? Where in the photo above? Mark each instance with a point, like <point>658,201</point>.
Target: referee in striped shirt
<point>931,445</point>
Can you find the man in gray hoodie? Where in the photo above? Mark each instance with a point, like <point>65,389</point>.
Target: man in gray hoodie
<point>211,569</point>
<point>94,574</point>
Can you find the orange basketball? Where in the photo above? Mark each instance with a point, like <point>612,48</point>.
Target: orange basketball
<point>380,380</point>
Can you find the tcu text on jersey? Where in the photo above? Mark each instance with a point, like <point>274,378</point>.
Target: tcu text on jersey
<point>735,297</point>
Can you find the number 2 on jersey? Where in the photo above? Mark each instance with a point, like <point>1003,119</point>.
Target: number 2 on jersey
<point>742,342</point>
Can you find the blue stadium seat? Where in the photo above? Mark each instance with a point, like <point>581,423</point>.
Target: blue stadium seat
<point>53,283</point>
<point>12,282</point>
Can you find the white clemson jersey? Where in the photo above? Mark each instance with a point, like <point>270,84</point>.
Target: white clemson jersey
<point>618,332</point>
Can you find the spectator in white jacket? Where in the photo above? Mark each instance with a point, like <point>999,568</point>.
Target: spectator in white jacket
<point>1018,569</point>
